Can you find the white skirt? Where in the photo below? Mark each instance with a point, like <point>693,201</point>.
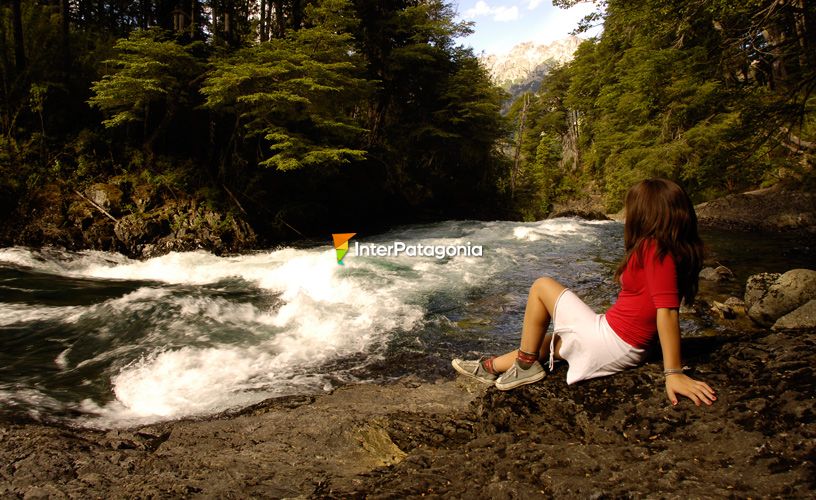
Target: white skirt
<point>588,343</point>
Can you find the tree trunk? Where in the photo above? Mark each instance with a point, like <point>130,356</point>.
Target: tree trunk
<point>800,24</point>
<point>229,21</point>
<point>144,20</point>
<point>262,26</point>
<point>194,17</point>
<point>297,14</point>
<point>160,130</point>
<point>19,48</point>
<point>65,19</point>
<point>280,21</point>
<point>215,27</point>
<point>519,137</point>
<point>571,154</point>
<point>5,61</point>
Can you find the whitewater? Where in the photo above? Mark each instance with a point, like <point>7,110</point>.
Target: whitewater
<point>102,340</point>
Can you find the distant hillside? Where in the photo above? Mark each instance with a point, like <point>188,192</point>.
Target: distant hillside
<point>526,64</point>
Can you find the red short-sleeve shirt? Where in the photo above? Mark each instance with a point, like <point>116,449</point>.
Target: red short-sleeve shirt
<point>647,284</point>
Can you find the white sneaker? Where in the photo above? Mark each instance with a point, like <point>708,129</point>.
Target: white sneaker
<point>473,369</point>
<point>517,376</point>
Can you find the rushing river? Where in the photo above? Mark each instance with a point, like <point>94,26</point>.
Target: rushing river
<point>102,340</point>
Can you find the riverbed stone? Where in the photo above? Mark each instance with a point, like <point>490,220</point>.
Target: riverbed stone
<point>736,304</point>
<point>724,311</point>
<point>719,273</point>
<point>786,293</point>
<point>801,317</point>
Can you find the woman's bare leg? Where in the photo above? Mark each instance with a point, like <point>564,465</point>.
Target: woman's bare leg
<point>534,339</point>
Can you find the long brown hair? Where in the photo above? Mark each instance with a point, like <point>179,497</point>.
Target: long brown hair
<point>659,209</point>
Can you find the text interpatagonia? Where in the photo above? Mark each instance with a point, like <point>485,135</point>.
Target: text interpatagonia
<point>398,248</point>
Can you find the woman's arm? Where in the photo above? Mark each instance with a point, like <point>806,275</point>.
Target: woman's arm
<point>668,329</point>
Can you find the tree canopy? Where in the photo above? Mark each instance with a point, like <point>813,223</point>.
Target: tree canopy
<point>717,95</point>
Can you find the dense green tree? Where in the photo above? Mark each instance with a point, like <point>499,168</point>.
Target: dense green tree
<point>716,95</point>
<point>298,94</point>
<point>150,79</point>
<point>197,97</point>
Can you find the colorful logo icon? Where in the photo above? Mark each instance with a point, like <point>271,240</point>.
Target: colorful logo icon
<point>341,245</point>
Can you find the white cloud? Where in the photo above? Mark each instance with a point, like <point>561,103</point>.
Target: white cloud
<point>532,4</point>
<point>478,10</point>
<point>500,13</point>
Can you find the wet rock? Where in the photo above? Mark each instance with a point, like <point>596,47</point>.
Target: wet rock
<point>786,293</point>
<point>801,317</point>
<point>580,213</point>
<point>724,311</point>
<point>719,273</point>
<point>736,304</point>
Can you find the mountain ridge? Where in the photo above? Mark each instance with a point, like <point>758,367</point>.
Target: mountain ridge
<point>527,63</point>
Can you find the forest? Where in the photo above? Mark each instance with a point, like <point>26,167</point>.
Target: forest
<point>304,117</point>
<point>298,116</point>
<point>717,95</point>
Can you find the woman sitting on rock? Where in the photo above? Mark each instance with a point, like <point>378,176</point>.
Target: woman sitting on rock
<point>663,258</point>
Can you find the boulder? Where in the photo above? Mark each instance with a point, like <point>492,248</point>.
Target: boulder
<point>757,285</point>
<point>801,317</point>
<point>790,291</point>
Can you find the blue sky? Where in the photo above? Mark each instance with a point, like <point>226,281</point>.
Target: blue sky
<point>501,24</point>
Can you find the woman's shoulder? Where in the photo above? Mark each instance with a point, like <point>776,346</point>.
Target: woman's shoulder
<point>652,250</point>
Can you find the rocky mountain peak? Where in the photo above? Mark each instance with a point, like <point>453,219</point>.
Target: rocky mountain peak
<point>527,62</point>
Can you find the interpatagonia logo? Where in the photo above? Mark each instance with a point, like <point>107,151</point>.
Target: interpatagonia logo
<point>399,248</point>
<point>341,245</point>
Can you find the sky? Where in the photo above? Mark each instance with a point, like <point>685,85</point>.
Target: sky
<point>501,24</point>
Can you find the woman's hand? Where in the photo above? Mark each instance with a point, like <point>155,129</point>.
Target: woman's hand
<point>679,383</point>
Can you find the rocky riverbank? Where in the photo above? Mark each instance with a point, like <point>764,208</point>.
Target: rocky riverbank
<point>615,436</point>
<point>143,220</point>
<point>777,208</point>
<point>137,219</point>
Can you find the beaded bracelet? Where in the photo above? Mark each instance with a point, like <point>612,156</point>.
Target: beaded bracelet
<point>672,371</point>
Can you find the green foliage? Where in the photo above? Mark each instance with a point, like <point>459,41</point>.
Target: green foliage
<point>380,89</point>
<point>298,94</point>
<point>150,69</point>
<point>702,93</point>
